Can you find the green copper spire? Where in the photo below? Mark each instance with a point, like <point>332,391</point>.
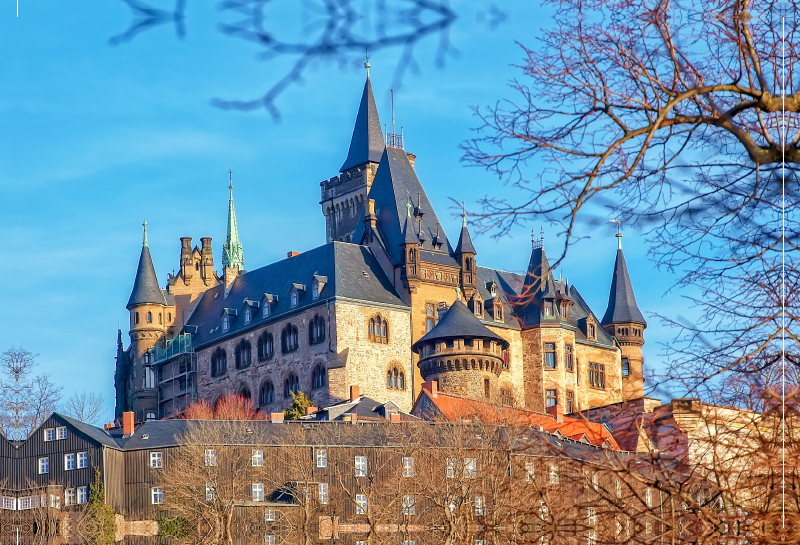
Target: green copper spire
<point>232,254</point>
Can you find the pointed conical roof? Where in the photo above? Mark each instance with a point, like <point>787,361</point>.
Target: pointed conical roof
<point>232,251</point>
<point>409,236</point>
<point>621,301</point>
<point>459,322</point>
<point>366,145</point>
<point>145,286</point>
<point>538,267</point>
<point>464,245</point>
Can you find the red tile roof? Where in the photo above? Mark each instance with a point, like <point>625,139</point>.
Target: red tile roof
<point>456,408</point>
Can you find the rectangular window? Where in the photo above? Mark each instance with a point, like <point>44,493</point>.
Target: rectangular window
<point>258,458</point>
<point>211,492</point>
<point>269,515</point>
<point>83,494</point>
<point>361,466</point>
<point>409,506</point>
<point>50,434</point>
<point>430,319</point>
<point>408,467</point>
<point>553,475</point>
<point>597,375</point>
<point>210,458</point>
<point>269,539</point>
<point>361,504</point>
<point>478,504</point>
<point>156,460</point>
<point>470,468</point>
<point>322,458</point>
<point>568,358</point>
<point>450,471</point>
<point>626,368</point>
<point>548,308</point>
<point>570,401</point>
<point>69,462</point>
<point>156,496</point>
<point>69,496</point>
<point>648,497</point>
<point>530,471</point>
<point>83,460</point>
<point>551,398</point>
<point>61,432</point>
<point>258,492</point>
<point>44,465</point>
<point>322,490</point>
<point>550,355</point>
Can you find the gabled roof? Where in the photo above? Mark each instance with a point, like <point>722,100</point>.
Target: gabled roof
<point>458,322</point>
<point>395,187</point>
<point>145,285</point>
<point>93,432</point>
<point>366,145</point>
<point>621,301</point>
<point>353,272</point>
<point>456,408</point>
<point>364,408</point>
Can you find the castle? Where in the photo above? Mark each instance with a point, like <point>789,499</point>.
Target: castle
<point>386,303</point>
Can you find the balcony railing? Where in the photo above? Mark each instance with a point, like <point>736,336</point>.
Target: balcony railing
<point>182,344</point>
<point>394,140</point>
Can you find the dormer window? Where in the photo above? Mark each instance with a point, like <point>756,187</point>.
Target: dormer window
<point>548,308</point>
<point>294,296</point>
<point>492,286</point>
<point>564,309</point>
<point>225,322</point>
<point>268,301</point>
<point>317,284</point>
<point>498,311</point>
<point>591,328</point>
<point>294,299</point>
<point>227,315</point>
<point>247,313</point>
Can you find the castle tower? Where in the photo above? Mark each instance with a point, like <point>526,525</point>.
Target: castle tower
<point>462,355</point>
<point>410,244</point>
<point>625,322</point>
<point>232,251</point>
<point>147,325</point>
<point>465,255</point>
<point>344,196</point>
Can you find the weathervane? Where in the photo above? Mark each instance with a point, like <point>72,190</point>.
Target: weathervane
<point>367,57</point>
<point>619,233</point>
<point>463,214</point>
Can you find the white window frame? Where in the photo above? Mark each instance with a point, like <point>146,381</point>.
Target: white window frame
<point>360,463</point>
<point>156,496</point>
<point>450,469</point>
<point>70,461</point>
<point>257,459</point>
<point>49,434</point>
<point>361,504</point>
<point>69,496</point>
<point>61,433</point>
<point>257,490</point>
<point>269,515</point>
<point>530,471</point>
<point>269,539</point>
<point>409,505</point>
<point>211,492</point>
<point>156,460</point>
<point>322,457</point>
<point>479,505</point>
<point>44,465</point>
<point>210,457</point>
<point>470,468</point>
<point>82,460</point>
<point>323,493</point>
<point>553,477</point>
<point>83,495</point>
<point>408,466</point>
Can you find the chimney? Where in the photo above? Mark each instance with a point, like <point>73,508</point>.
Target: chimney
<point>229,275</point>
<point>556,411</point>
<point>311,410</point>
<point>432,387</point>
<point>292,253</point>
<point>411,159</point>
<point>109,426</point>
<point>187,270</point>
<point>207,260</point>
<point>127,423</point>
<point>355,393</point>
<point>395,418</point>
<point>276,417</point>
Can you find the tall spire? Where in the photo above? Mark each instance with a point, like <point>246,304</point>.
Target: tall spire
<point>464,245</point>
<point>622,305</point>
<point>367,143</point>
<point>232,253</point>
<point>145,285</point>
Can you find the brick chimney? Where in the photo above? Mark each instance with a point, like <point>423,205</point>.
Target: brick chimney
<point>355,393</point>
<point>432,387</point>
<point>127,423</point>
<point>311,410</point>
<point>276,417</point>
<point>292,253</point>
<point>557,412</point>
<point>395,418</point>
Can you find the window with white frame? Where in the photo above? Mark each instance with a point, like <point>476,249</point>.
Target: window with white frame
<point>470,468</point>
<point>269,515</point>
<point>361,504</point>
<point>157,496</point>
<point>44,465</point>
<point>69,462</point>
<point>322,458</point>
<point>211,492</point>
<point>258,492</point>
<point>361,543</point>
<point>69,496</point>
<point>61,432</point>
<point>210,457</point>
<point>408,466</point>
<point>648,497</point>
<point>8,503</point>
<point>258,458</point>
<point>322,490</point>
<point>156,460</point>
<point>409,506</point>
<point>49,434</point>
<point>530,471</point>
<point>83,460</point>
<point>479,507</point>
<point>269,539</point>
<point>361,466</point>
<point>83,494</point>
<point>450,469</point>
<point>553,475</point>
<point>409,542</point>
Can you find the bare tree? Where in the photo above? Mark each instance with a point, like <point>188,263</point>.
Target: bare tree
<point>84,406</point>
<point>26,400</point>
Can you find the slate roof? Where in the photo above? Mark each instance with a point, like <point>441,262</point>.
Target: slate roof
<point>395,186</point>
<point>145,285</point>
<point>366,145</point>
<point>458,322</point>
<point>621,301</point>
<point>353,272</point>
<point>465,241</point>
<point>93,432</point>
<point>364,408</point>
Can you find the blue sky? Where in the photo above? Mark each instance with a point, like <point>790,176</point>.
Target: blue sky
<point>97,137</point>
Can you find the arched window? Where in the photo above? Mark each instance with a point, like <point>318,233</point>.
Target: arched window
<point>159,318</point>
<point>149,317</point>
<point>169,317</point>
<point>242,354</point>
<point>291,385</point>
<point>378,329</point>
<point>150,416</point>
<point>266,347</point>
<point>135,317</point>
<point>293,298</point>
<point>289,339</point>
<point>395,379</point>
<point>244,391</point>
<point>316,330</point>
<point>219,362</point>
<point>267,393</point>
<point>318,376</point>
<point>225,323</point>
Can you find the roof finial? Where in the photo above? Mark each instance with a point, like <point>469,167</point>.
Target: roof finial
<point>367,57</point>
<point>619,233</point>
<point>463,214</point>
<point>144,241</point>
<point>230,182</point>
